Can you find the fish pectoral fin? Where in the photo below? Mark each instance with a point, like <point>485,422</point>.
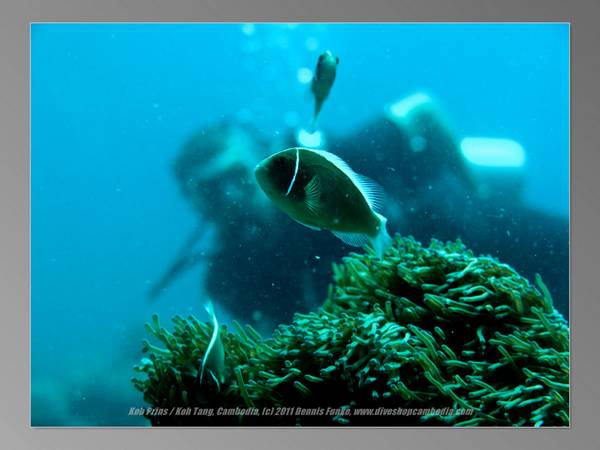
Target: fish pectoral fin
<point>354,239</point>
<point>313,195</point>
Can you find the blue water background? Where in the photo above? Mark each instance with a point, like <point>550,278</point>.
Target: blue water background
<point>111,105</point>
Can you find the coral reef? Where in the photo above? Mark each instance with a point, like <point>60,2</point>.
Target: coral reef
<point>422,328</point>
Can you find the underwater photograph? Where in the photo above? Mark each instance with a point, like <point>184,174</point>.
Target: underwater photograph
<point>300,225</point>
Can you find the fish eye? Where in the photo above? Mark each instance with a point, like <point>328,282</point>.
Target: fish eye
<point>280,163</point>
<point>282,172</point>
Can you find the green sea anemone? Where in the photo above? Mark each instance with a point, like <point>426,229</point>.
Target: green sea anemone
<point>427,335</point>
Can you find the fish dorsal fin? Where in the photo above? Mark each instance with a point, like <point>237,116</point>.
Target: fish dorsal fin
<point>213,318</point>
<point>313,195</point>
<point>353,239</point>
<point>371,191</point>
<point>215,334</point>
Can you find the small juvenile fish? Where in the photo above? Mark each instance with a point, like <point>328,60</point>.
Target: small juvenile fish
<point>323,81</point>
<point>214,359</point>
<point>319,190</point>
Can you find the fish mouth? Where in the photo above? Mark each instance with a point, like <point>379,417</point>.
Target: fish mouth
<point>260,167</point>
<point>263,179</point>
<point>260,173</point>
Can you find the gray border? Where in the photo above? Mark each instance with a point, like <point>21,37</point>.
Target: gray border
<point>14,192</point>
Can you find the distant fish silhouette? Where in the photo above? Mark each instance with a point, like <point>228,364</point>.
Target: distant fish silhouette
<point>323,81</point>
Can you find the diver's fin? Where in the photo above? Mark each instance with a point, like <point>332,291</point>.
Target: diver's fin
<point>353,239</point>
<point>313,195</point>
<point>187,258</point>
<point>371,191</point>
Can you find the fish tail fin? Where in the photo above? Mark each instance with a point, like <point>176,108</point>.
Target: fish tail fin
<point>317,111</point>
<point>382,241</point>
